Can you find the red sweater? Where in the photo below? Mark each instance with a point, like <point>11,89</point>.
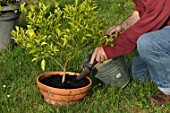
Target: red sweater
<point>154,14</point>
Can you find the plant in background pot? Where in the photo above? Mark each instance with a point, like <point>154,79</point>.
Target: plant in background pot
<point>9,16</point>
<point>9,4</point>
<point>60,34</point>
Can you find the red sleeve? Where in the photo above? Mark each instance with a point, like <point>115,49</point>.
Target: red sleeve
<point>139,6</point>
<point>156,15</point>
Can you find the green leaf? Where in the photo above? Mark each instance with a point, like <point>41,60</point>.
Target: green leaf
<point>76,2</point>
<point>28,45</point>
<point>34,59</point>
<point>64,40</point>
<point>22,7</point>
<point>46,2</point>
<point>43,43</point>
<point>17,28</point>
<point>43,64</point>
<point>88,35</point>
<point>30,32</point>
<point>0,7</point>
<point>32,51</point>
<point>116,34</point>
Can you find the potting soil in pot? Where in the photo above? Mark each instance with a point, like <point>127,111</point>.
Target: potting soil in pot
<point>70,82</point>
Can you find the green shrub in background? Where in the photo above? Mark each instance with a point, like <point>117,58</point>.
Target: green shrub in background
<point>59,33</point>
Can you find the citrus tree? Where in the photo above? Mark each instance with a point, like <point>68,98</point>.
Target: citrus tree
<point>59,33</point>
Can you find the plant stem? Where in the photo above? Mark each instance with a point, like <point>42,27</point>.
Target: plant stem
<point>64,69</point>
<point>57,62</point>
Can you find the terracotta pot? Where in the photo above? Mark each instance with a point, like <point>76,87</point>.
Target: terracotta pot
<point>62,97</point>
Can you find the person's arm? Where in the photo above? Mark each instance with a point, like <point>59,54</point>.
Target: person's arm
<point>125,24</point>
<point>99,53</point>
<point>155,17</point>
<point>131,20</point>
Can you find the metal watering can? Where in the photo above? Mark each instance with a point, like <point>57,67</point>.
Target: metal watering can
<point>113,71</point>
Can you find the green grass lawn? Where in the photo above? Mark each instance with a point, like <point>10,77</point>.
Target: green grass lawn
<point>20,94</point>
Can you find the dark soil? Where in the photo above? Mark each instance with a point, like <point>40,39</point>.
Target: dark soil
<point>70,82</point>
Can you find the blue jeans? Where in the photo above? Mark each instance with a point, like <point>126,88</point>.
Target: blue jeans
<point>153,61</point>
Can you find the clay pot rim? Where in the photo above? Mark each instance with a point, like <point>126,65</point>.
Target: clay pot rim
<point>60,73</point>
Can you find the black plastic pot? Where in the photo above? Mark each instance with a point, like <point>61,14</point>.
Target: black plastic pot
<point>8,20</point>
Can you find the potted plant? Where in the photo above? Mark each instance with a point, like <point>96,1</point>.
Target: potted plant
<point>60,34</point>
<point>9,16</point>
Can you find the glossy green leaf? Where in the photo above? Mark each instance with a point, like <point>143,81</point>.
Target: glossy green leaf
<point>43,63</point>
<point>34,59</point>
<point>0,7</point>
<point>43,43</point>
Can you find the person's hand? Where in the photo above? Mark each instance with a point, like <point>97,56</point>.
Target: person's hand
<point>113,29</point>
<point>98,55</point>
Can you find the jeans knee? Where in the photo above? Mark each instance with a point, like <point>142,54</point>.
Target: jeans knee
<point>138,69</point>
<point>144,44</point>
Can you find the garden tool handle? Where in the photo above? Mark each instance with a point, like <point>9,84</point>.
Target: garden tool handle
<point>90,66</point>
<point>86,71</point>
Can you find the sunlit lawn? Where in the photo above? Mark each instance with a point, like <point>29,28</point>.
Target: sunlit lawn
<point>20,94</point>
